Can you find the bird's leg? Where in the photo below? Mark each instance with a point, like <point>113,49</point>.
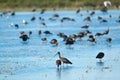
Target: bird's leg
<point>100,60</point>
<point>63,65</point>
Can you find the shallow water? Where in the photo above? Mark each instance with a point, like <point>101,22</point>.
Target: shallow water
<point>33,60</point>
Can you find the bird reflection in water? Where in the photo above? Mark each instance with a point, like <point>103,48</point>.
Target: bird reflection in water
<point>58,73</point>
<point>100,63</point>
<point>62,72</point>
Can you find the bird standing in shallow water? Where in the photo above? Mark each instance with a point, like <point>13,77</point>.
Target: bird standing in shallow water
<point>63,59</point>
<point>58,63</point>
<point>109,40</point>
<point>106,32</point>
<point>91,38</point>
<point>24,37</point>
<point>100,55</point>
<point>54,42</point>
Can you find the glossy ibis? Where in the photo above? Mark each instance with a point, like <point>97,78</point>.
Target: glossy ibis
<point>44,39</point>
<point>87,19</point>
<point>33,18</point>
<point>106,32</point>
<point>39,32</point>
<point>63,59</point>
<point>30,33</point>
<point>91,38</point>
<point>47,32</point>
<point>100,55</point>
<point>109,40</point>
<point>78,11</point>
<point>24,37</point>
<point>69,41</point>
<point>54,42</point>
<point>98,34</point>
<point>58,63</point>
<point>16,25</point>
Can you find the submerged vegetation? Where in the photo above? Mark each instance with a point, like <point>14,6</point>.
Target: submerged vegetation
<point>17,4</point>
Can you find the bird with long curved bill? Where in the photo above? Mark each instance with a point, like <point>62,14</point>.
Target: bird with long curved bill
<point>63,59</point>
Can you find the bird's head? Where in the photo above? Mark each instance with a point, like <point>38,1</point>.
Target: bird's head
<point>58,53</point>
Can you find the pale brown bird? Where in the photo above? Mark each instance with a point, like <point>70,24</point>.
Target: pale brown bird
<point>63,59</point>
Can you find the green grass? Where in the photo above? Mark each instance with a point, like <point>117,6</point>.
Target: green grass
<point>22,5</point>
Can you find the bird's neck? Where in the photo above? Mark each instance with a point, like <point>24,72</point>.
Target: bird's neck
<point>59,56</point>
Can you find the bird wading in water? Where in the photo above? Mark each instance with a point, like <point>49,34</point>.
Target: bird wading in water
<point>100,55</point>
<point>63,59</point>
<point>58,63</point>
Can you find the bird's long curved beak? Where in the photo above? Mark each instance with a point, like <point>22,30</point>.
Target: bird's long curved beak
<point>55,55</point>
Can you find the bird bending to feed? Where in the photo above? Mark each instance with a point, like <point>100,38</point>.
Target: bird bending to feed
<point>58,63</point>
<point>91,38</point>
<point>44,39</point>
<point>109,40</point>
<point>100,55</point>
<point>24,37</point>
<point>54,42</point>
<point>106,32</point>
<point>63,59</point>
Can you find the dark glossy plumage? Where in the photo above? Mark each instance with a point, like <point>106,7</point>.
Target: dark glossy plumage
<point>30,33</point>
<point>64,60</point>
<point>106,32</point>
<point>47,32</point>
<point>44,39</point>
<point>100,55</point>
<point>58,63</point>
<point>24,37</point>
<point>69,41</point>
<point>54,42</point>
<point>109,40</point>
<point>39,32</point>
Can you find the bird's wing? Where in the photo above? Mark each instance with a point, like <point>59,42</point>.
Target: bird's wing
<point>65,60</point>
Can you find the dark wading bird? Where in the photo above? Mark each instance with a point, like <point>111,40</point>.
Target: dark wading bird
<point>91,38</point>
<point>47,32</point>
<point>54,42</point>
<point>39,32</point>
<point>44,39</point>
<point>69,41</point>
<point>24,37</point>
<point>42,11</point>
<point>100,56</point>
<point>13,13</point>
<point>109,40</point>
<point>58,63</point>
<point>30,33</point>
<point>106,32</point>
<point>16,25</point>
<point>63,59</point>
<point>33,18</point>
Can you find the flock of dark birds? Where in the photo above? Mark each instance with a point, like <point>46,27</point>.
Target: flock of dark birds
<point>68,39</point>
